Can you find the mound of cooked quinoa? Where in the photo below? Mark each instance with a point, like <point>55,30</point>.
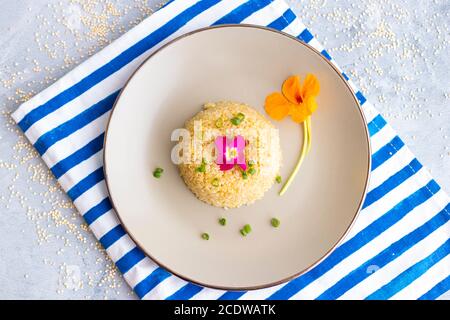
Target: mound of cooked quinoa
<point>234,187</point>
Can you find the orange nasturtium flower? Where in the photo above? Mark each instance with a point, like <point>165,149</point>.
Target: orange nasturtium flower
<point>296,99</point>
<point>299,101</point>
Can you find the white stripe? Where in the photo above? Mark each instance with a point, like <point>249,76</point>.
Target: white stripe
<point>428,280</point>
<point>79,172</point>
<point>384,275</point>
<point>120,248</point>
<point>154,22</point>
<point>91,197</point>
<point>411,221</point>
<point>140,271</point>
<point>315,44</point>
<point>76,141</point>
<point>261,294</point>
<point>267,14</point>
<point>355,90</point>
<point>208,294</point>
<point>390,167</point>
<point>295,27</point>
<point>165,288</point>
<point>369,110</point>
<point>105,223</point>
<point>381,138</point>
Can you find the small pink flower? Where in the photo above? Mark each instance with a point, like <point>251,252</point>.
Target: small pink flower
<point>230,152</point>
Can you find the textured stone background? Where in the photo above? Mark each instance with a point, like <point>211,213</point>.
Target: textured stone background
<point>396,51</point>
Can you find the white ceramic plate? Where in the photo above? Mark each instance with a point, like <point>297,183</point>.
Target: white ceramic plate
<point>239,63</point>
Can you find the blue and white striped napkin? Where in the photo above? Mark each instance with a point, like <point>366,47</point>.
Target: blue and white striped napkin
<point>398,248</point>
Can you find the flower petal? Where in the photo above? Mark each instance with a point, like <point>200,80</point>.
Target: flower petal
<point>311,86</point>
<point>277,106</point>
<point>292,89</point>
<point>300,112</point>
<point>311,104</point>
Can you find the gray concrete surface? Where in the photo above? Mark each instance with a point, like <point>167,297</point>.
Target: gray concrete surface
<point>396,51</point>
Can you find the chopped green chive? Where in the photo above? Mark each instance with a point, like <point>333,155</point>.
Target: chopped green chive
<point>252,171</point>
<point>205,236</point>
<point>278,179</point>
<point>158,172</point>
<point>215,182</point>
<point>202,167</point>
<point>244,175</point>
<point>246,230</point>
<point>219,123</point>
<point>222,221</point>
<point>251,163</point>
<point>275,222</point>
<point>236,121</point>
<point>240,116</point>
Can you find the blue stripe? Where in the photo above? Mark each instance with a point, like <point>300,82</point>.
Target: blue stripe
<point>97,211</point>
<point>152,280</point>
<point>326,54</point>
<point>231,295</point>
<point>392,182</point>
<point>438,290</point>
<point>78,156</point>
<point>359,240</point>
<point>66,129</point>
<point>115,64</point>
<point>389,254</point>
<point>411,274</point>
<point>130,259</point>
<point>386,152</point>
<point>345,76</point>
<point>283,21</point>
<point>376,125</point>
<point>189,290</point>
<point>306,36</point>
<point>91,180</point>
<point>361,98</point>
<point>112,236</point>
<point>242,12</point>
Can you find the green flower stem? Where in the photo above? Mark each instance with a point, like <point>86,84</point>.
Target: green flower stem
<point>305,149</point>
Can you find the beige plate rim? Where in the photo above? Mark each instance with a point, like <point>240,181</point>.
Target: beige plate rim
<point>363,196</point>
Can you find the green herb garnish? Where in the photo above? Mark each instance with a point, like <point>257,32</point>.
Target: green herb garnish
<point>252,171</point>
<point>222,221</point>
<point>205,236</point>
<point>202,167</point>
<point>275,222</point>
<point>215,182</point>
<point>278,179</point>
<point>158,172</point>
<point>236,121</point>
